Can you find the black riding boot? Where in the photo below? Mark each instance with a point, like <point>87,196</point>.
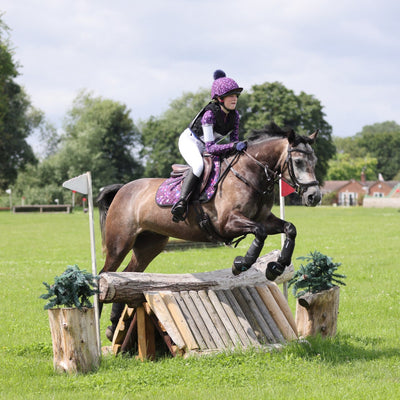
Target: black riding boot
<point>179,209</point>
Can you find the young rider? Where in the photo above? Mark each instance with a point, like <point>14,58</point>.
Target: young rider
<point>217,120</point>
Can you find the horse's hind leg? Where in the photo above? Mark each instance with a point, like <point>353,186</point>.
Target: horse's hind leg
<point>147,246</point>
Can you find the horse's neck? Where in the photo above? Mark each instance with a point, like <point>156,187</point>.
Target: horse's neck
<point>271,153</point>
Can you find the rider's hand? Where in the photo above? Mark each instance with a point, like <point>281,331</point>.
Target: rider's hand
<point>241,146</point>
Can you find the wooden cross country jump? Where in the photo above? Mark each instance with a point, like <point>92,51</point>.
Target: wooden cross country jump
<point>200,312</point>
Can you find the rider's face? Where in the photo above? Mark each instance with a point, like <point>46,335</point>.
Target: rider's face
<point>230,102</point>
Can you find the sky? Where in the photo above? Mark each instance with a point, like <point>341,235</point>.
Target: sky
<point>144,54</point>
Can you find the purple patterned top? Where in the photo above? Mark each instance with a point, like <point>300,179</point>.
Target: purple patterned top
<point>232,119</point>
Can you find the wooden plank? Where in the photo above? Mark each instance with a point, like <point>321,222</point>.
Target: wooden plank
<point>190,320</point>
<point>121,329</point>
<point>276,313</point>
<point>160,309</point>
<point>266,315</point>
<point>145,332</point>
<point>283,305</point>
<point>129,340</point>
<point>161,330</point>
<point>202,335</point>
<point>229,310</point>
<point>248,329</point>
<point>249,314</point>
<point>207,320</point>
<point>257,315</point>
<point>224,318</point>
<point>179,320</point>
<point>215,318</point>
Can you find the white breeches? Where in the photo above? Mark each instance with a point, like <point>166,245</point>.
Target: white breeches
<point>189,148</point>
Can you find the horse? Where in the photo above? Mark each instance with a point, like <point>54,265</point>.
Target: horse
<point>131,220</point>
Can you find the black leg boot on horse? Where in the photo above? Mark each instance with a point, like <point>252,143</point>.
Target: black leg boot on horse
<point>179,210</point>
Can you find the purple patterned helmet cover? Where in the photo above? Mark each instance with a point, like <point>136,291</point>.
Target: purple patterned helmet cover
<point>223,86</point>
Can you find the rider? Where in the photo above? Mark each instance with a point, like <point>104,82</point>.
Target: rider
<point>217,120</point>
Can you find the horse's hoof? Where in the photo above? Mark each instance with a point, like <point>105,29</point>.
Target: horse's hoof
<point>273,270</point>
<point>239,265</point>
<point>110,333</point>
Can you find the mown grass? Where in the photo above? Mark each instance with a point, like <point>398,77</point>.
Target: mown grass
<point>361,362</point>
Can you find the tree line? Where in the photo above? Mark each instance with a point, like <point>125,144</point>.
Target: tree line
<point>100,135</point>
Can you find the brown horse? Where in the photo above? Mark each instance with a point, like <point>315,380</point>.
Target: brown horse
<point>242,205</point>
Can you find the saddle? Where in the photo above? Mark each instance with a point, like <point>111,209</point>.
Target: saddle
<point>169,191</point>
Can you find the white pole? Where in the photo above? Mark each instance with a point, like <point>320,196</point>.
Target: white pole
<point>283,236</point>
<point>93,253</point>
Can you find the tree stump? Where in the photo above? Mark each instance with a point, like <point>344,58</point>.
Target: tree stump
<point>316,313</point>
<point>74,338</point>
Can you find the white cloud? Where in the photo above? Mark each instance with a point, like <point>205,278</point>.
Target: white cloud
<point>145,54</point>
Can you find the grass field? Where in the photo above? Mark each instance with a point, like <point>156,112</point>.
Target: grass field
<point>361,362</point>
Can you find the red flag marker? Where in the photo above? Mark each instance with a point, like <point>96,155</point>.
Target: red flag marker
<point>286,189</point>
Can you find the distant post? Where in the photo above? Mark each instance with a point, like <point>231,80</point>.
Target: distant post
<point>9,192</point>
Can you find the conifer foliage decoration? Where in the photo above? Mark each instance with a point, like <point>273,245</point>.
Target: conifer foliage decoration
<point>73,288</point>
<point>317,275</point>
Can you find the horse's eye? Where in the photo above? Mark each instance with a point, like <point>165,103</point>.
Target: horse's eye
<point>298,162</point>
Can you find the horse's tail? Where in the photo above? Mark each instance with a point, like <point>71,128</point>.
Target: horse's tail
<point>104,200</point>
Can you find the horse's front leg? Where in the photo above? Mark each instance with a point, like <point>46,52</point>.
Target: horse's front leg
<point>241,264</point>
<point>276,268</point>
<point>237,225</point>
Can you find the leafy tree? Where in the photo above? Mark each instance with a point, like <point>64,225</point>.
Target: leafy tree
<point>160,135</point>
<point>100,137</point>
<point>17,116</point>
<point>345,167</point>
<point>265,103</point>
<point>380,141</point>
<point>304,113</point>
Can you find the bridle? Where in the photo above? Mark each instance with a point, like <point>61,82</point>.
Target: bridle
<point>271,175</point>
<point>299,186</point>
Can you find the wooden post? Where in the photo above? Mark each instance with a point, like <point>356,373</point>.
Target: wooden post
<point>74,337</point>
<point>145,332</point>
<point>316,313</point>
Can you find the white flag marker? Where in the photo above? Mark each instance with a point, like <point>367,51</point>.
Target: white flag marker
<point>78,184</point>
<point>83,184</point>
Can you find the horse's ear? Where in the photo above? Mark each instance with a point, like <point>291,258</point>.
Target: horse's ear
<point>291,135</point>
<point>313,136</point>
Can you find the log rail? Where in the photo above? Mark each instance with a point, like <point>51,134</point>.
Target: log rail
<point>128,287</point>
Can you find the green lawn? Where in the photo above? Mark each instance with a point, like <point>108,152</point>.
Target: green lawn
<point>361,362</point>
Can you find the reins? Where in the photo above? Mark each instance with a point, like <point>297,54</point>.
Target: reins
<point>271,175</point>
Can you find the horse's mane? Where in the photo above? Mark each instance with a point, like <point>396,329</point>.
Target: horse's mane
<point>273,131</point>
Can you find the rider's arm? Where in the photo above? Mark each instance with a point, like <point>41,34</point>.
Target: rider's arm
<point>208,122</point>
<point>235,133</point>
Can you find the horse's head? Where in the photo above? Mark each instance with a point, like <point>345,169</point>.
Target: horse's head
<point>289,154</point>
<point>299,167</point>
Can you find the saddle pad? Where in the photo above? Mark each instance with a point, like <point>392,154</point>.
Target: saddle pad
<point>169,191</point>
